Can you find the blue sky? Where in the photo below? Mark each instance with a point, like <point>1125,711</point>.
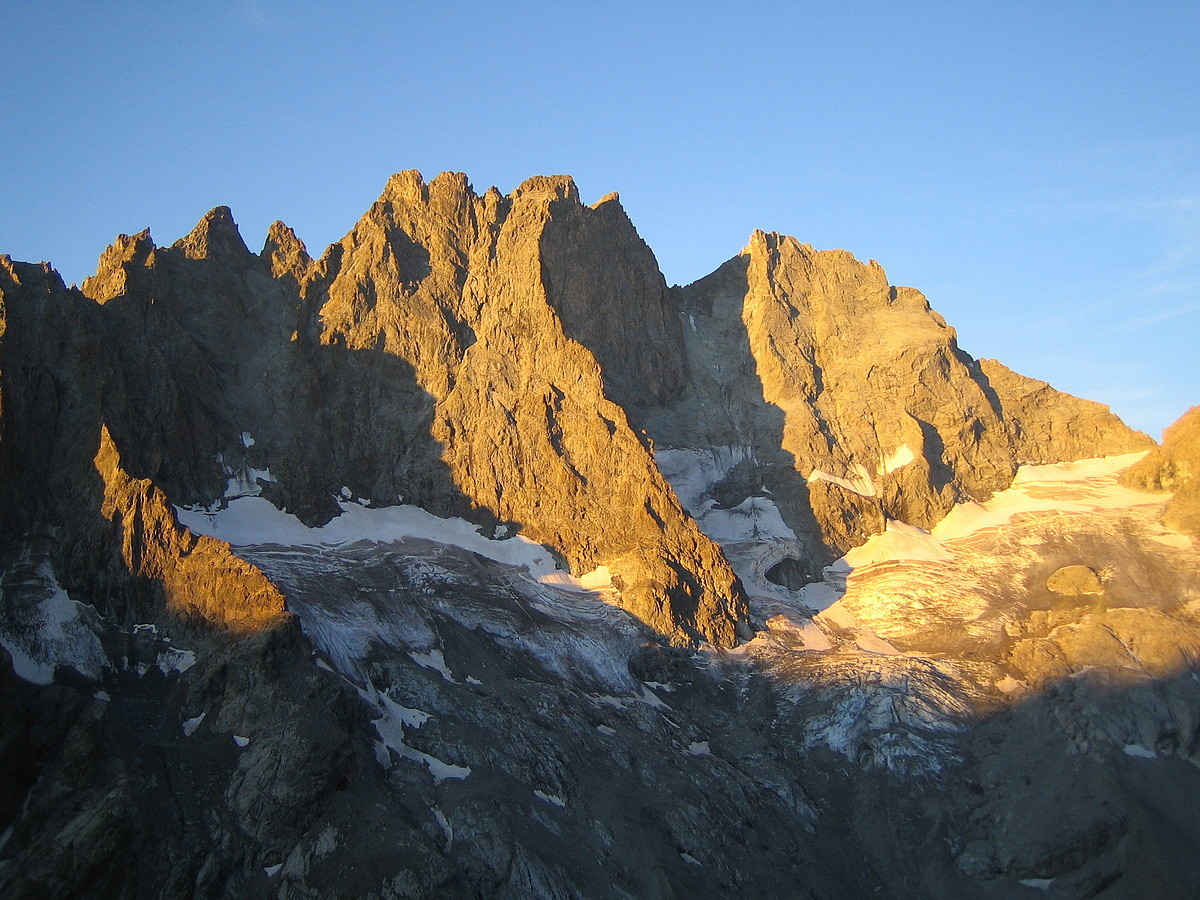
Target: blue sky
<point>1034,168</point>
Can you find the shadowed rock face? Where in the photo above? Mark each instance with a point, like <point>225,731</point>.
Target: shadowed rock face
<point>108,535</point>
<point>1175,467</point>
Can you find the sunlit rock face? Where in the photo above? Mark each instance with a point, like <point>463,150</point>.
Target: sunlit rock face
<point>471,559</point>
<point>1174,467</point>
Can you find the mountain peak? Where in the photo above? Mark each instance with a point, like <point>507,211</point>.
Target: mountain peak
<point>284,251</point>
<point>216,234</point>
<point>551,187</point>
<point>408,185</point>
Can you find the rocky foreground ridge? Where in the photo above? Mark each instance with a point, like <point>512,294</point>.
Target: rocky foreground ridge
<point>339,575</point>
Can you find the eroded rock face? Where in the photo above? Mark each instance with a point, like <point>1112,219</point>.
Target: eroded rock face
<point>1175,467</point>
<point>106,534</point>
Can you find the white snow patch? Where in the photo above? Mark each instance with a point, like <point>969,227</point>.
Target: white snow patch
<point>692,473</point>
<point>1034,490</point>
<point>754,519</point>
<point>241,740</point>
<point>814,638</point>
<point>444,824</point>
<point>819,596</point>
<point>596,581</point>
<point>1009,685</point>
<point>1173,539</point>
<point>270,871</point>
<point>441,771</point>
<point>866,640</point>
<point>898,540</point>
<point>604,729</point>
<point>247,441</point>
<point>857,480</point>
<point>471,679</point>
<point>190,725</point>
<point>900,457</point>
<point>1079,470</point>
<point>173,659</point>
<point>52,630</point>
<point>390,727</point>
<point>1139,751</point>
<point>806,631</point>
<point>245,482</point>
<point>551,798</point>
<point>869,642</point>
<point>1039,883</point>
<point>252,520</point>
<point>699,748</point>
<point>410,718</point>
<point>433,659</point>
<point>688,858</point>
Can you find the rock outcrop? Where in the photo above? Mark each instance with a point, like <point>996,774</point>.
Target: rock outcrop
<point>106,535</point>
<point>454,285</point>
<point>1174,467</point>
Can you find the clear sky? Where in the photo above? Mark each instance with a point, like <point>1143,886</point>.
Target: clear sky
<point>1034,168</point>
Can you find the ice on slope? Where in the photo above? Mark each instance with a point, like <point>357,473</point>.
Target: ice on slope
<point>752,534</point>
<point>248,521</point>
<point>390,726</point>
<point>899,540</point>
<point>44,628</point>
<point>1083,486</point>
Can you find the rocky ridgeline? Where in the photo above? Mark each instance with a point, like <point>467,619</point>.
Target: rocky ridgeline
<point>420,361</point>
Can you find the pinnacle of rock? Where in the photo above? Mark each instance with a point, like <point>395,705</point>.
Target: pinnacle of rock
<point>285,252</point>
<point>216,235</point>
<point>548,187</point>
